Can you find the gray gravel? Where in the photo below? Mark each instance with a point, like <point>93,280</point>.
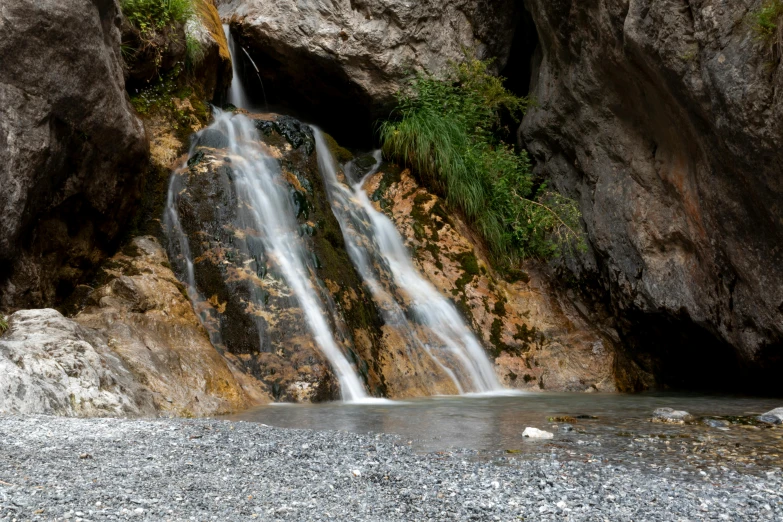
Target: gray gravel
<point>110,469</point>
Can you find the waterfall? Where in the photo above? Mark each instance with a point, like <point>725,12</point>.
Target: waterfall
<point>432,326</point>
<point>236,94</point>
<point>264,206</point>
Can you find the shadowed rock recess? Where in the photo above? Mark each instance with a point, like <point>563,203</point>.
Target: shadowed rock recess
<point>340,63</point>
<point>665,120</point>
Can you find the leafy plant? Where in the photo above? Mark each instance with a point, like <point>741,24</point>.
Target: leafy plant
<point>3,324</point>
<point>446,131</point>
<point>768,22</point>
<point>152,15</point>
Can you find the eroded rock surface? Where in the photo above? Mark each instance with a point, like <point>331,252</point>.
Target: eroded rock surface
<point>665,120</point>
<point>142,312</point>
<point>50,364</point>
<point>341,62</point>
<point>71,147</point>
<point>534,334</point>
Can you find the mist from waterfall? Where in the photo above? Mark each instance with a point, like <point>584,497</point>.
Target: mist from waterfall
<point>409,303</point>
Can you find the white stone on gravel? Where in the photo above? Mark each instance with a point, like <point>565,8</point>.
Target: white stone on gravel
<point>535,433</point>
<point>773,417</point>
<point>672,416</point>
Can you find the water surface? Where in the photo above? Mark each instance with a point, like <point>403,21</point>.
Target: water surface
<point>615,428</point>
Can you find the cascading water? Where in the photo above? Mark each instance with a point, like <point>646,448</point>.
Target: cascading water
<point>432,327</point>
<point>237,95</point>
<point>264,207</point>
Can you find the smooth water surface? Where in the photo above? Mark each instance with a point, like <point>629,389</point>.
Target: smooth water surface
<point>620,430</point>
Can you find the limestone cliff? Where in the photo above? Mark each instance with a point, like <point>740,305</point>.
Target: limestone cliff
<point>665,120</point>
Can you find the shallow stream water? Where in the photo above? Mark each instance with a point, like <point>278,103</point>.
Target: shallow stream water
<point>613,428</point>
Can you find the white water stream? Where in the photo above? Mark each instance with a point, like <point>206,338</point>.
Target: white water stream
<point>432,327</point>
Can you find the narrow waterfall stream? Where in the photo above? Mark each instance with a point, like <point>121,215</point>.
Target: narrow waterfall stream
<point>432,326</point>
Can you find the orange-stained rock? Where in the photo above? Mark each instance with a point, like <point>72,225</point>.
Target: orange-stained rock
<point>143,314</point>
<point>536,337</point>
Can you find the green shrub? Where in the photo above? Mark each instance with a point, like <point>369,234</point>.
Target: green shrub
<point>152,15</point>
<point>769,18</point>
<point>768,23</point>
<point>446,132</point>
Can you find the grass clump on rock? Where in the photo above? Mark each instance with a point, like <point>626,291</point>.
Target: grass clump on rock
<point>768,22</point>
<point>152,15</point>
<point>3,324</point>
<point>447,132</point>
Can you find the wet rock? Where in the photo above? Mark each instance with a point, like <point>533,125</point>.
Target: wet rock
<point>671,416</point>
<point>566,428</point>
<point>50,364</point>
<point>773,417</point>
<point>144,315</point>
<point>716,423</point>
<point>680,194</point>
<point>71,146</point>
<point>535,433</point>
<point>251,313</point>
<point>532,331</point>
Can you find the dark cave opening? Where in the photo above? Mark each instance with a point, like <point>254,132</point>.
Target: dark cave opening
<point>518,70</point>
<point>310,88</point>
<point>681,355</point>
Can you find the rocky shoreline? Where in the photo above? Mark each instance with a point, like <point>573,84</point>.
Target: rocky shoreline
<point>114,469</point>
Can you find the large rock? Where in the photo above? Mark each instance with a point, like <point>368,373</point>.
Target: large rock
<point>341,62</point>
<point>144,315</point>
<point>50,364</point>
<point>665,121</point>
<point>71,147</point>
<point>136,348</point>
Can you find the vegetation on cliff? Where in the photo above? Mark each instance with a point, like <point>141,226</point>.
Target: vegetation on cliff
<point>769,25</point>
<point>447,132</point>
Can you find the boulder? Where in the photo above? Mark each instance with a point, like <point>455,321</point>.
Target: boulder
<point>142,312</point>
<point>671,416</point>
<point>71,147</point>
<point>773,417</point>
<point>341,62</point>
<point>537,337</point>
<point>50,364</point>
<point>664,122</point>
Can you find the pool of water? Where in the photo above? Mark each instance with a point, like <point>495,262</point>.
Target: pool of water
<point>614,428</point>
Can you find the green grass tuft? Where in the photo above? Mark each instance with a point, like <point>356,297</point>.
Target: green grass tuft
<point>3,324</point>
<point>768,23</point>
<point>446,132</point>
<point>152,15</point>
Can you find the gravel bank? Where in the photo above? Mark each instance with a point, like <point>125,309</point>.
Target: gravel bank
<point>109,469</point>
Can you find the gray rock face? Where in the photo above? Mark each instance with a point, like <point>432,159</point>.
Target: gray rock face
<point>49,364</point>
<point>71,147</point>
<point>665,121</point>
<point>345,59</point>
